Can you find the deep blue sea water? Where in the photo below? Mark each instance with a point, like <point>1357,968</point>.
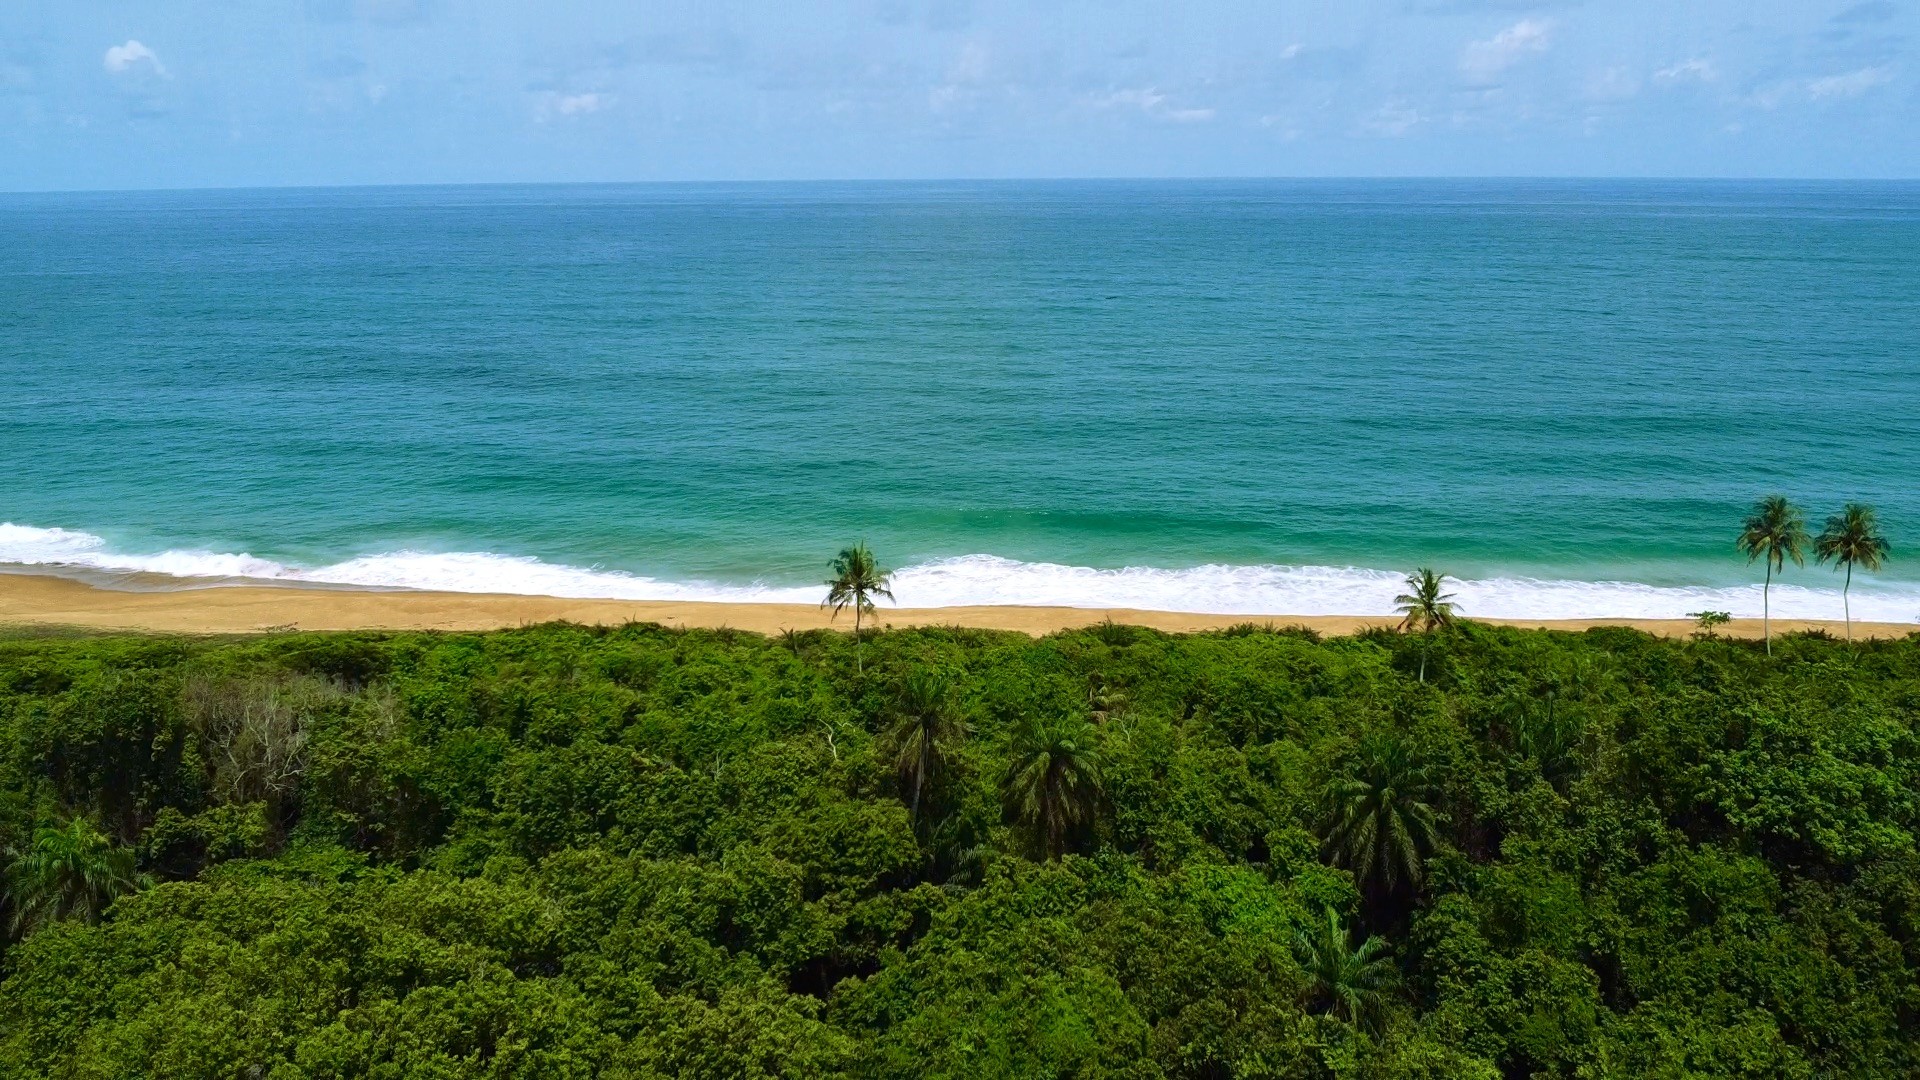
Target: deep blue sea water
<point>1259,396</point>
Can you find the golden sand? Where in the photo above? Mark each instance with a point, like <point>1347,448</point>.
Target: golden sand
<point>39,600</point>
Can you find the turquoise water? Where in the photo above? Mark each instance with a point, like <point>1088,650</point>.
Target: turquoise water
<point>1239,396</point>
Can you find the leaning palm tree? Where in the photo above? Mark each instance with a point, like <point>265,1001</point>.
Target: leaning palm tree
<point>1852,537</point>
<point>857,579</point>
<point>1052,785</point>
<point>1774,531</point>
<point>73,872</point>
<point>1351,981</point>
<point>924,735</point>
<point>1379,821</point>
<point>1425,608</point>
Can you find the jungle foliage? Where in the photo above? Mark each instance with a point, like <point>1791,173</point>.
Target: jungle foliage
<point>637,852</point>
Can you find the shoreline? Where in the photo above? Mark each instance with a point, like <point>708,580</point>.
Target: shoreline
<point>44,600</point>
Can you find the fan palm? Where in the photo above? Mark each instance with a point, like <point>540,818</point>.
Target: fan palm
<point>1852,537</point>
<point>1774,531</point>
<point>924,735</point>
<point>857,579</point>
<point>1052,785</point>
<point>1379,822</point>
<point>1424,607</point>
<point>1351,981</point>
<point>73,872</point>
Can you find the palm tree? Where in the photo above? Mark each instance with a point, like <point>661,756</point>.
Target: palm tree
<point>1775,531</point>
<point>1425,608</point>
<point>1852,537</point>
<point>857,579</point>
<point>1351,981</point>
<point>924,735</point>
<point>1379,822</point>
<point>72,872</point>
<point>1052,786</point>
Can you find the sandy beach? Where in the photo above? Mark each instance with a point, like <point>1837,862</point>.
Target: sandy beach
<point>37,600</point>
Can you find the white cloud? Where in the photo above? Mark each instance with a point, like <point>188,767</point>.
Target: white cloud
<point>552,104</point>
<point>1851,84</point>
<point>1612,84</point>
<point>1392,120</point>
<point>1697,69</point>
<point>1152,102</point>
<point>966,77</point>
<point>128,57</point>
<point>1484,60</point>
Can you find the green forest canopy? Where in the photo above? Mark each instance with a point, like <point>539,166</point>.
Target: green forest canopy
<point>568,851</point>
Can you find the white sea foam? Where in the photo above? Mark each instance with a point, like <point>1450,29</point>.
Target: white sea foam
<point>986,579</point>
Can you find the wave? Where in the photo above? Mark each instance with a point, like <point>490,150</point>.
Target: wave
<point>980,580</point>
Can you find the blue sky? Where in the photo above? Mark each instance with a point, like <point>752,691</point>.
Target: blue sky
<point>189,93</point>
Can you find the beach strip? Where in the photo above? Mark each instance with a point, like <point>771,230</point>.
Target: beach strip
<point>40,600</point>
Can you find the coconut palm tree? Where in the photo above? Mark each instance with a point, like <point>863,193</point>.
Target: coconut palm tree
<point>1379,821</point>
<point>74,872</point>
<point>1351,981</point>
<point>1425,608</point>
<point>924,735</point>
<point>857,579</point>
<point>1052,785</point>
<point>1852,537</point>
<point>1775,531</point>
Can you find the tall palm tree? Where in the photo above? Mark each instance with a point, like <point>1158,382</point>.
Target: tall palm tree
<point>1379,821</point>
<point>1351,981</point>
<point>1052,785</point>
<point>1852,537</point>
<point>924,735</point>
<point>1425,608</point>
<point>73,872</point>
<point>857,579</point>
<point>1775,531</point>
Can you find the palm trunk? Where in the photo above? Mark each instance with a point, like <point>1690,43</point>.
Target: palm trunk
<point>1846,605</point>
<point>857,668</point>
<point>1766,609</point>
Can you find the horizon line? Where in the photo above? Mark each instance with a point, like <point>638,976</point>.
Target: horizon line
<point>877,180</point>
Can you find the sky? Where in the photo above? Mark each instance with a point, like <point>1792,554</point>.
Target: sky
<point>119,94</point>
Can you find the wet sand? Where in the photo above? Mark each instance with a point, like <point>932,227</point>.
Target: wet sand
<point>39,600</point>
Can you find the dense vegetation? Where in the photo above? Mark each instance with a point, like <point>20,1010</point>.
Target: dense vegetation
<point>564,851</point>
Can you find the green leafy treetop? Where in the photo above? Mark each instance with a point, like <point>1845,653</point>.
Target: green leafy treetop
<point>1052,786</point>
<point>70,873</point>
<point>1379,821</point>
<point>927,731</point>
<point>1351,981</point>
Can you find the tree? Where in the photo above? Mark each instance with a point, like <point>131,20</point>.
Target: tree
<point>1774,531</point>
<point>923,736</point>
<point>857,579</point>
<point>1052,785</point>
<point>1351,981</point>
<point>1852,537</point>
<point>1379,822</point>
<point>1425,608</point>
<point>73,872</point>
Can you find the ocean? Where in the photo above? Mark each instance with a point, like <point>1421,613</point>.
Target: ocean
<point>1261,397</point>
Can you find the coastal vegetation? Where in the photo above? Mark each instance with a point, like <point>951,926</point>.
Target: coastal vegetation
<point>857,579</point>
<point>1774,532</point>
<point>1851,538</point>
<point>634,851</point>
